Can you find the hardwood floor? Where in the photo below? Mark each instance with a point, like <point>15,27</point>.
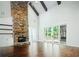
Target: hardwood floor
<point>39,50</point>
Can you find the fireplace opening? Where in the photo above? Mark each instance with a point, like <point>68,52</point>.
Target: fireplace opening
<point>21,39</point>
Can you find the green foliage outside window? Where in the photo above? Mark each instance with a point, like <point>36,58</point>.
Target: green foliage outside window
<point>52,32</point>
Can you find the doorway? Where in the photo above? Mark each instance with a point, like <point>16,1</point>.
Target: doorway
<point>63,33</point>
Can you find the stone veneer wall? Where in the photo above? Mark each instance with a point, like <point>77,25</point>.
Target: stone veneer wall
<point>19,12</point>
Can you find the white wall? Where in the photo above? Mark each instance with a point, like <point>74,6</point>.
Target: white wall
<point>8,21</point>
<point>33,24</point>
<point>6,40</point>
<point>66,13</point>
<point>5,18</point>
<point>5,10</point>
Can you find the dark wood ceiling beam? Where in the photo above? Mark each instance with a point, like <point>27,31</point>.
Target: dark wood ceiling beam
<point>5,25</point>
<point>34,9</point>
<point>44,6</point>
<point>5,29</point>
<point>6,33</point>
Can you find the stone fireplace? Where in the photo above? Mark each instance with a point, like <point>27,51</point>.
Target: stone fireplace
<point>19,12</point>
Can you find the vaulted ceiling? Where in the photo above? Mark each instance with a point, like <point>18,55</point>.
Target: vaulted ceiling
<point>43,6</point>
<point>39,7</point>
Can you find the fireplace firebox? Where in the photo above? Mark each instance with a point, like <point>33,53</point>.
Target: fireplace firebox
<point>21,39</point>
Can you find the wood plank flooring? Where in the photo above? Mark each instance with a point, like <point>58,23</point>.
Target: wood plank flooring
<point>39,49</point>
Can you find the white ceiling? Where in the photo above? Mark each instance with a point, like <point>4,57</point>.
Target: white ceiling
<point>50,4</point>
<point>40,9</point>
